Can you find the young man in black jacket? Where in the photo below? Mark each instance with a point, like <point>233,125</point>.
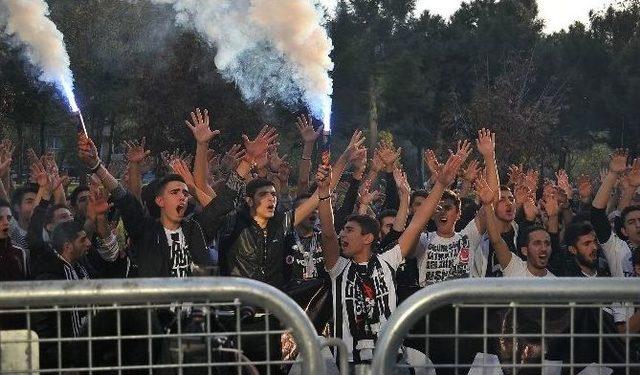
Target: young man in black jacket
<point>170,246</point>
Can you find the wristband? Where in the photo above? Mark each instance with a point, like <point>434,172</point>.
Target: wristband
<point>324,198</point>
<point>97,166</point>
<point>307,159</point>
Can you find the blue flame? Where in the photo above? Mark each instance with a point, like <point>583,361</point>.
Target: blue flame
<point>68,93</point>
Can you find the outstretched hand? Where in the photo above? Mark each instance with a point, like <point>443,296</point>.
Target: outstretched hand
<point>305,127</point>
<point>484,191</point>
<point>87,151</point>
<point>135,150</point>
<point>199,126</point>
<point>257,148</point>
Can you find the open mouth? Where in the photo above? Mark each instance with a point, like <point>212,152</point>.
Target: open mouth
<point>180,209</point>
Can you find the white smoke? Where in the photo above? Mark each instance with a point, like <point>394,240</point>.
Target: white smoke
<point>27,23</point>
<point>271,49</point>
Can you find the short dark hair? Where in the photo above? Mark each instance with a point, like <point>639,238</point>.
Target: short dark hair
<point>4,203</point>
<point>386,213</point>
<point>523,237</point>
<point>65,232</point>
<point>450,194</point>
<point>504,187</point>
<point>418,193</point>
<point>367,224</point>
<point>162,183</point>
<point>19,193</point>
<point>256,184</point>
<point>574,231</point>
<point>74,194</point>
<point>48,217</point>
<point>627,211</point>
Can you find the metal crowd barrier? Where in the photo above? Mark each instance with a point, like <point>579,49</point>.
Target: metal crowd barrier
<point>186,326</point>
<point>515,326</point>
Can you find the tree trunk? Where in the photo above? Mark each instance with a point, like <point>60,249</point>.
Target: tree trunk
<point>373,113</point>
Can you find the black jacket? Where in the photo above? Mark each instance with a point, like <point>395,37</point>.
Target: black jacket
<point>246,250</point>
<point>148,235</point>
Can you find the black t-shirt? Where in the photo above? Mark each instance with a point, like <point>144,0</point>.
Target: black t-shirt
<point>305,260</point>
<point>493,266</point>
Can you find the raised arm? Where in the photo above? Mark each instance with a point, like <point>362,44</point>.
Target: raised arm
<point>629,184</point>
<point>6,153</point>
<point>136,154</point>
<point>486,195</point>
<point>330,246</point>
<point>444,177</point>
<point>203,135</point>
<point>617,166</point>
<point>404,195</point>
<point>181,168</point>
<point>309,137</point>
<point>310,204</point>
<point>486,144</point>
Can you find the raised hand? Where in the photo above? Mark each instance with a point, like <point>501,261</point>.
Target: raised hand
<point>181,168</point>
<point>486,142</point>
<point>87,151</point>
<point>367,196</point>
<point>275,161</point>
<point>305,127</point>
<point>199,126</point>
<point>135,150</point>
<point>449,171</point>
<point>484,191</point>
<point>563,182</point>
<point>323,180</point>
<point>551,205</point>
<point>169,158</point>
<point>585,188</point>
<point>633,175</point>
<point>401,181</point>
<point>359,161</point>
<point>521,194</point>
<point>516,174</point>
<point>531,179</point>
<point>357,139</point>
<point>389,156</point>
<point>232,157</point>
<point>98,201</point>
<point>39,174</point>
<point>256,149</point>
<point>376,161</point>
<point>6,155</point>
<point>618,162</point>
<point>472,171</point>
<point>432,162</point>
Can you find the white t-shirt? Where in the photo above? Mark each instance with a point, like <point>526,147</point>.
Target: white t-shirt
<point>518,268</point>
<point>364,296</point>
<point>618,254</point>
<point>179,256</point>
<point>441,259</point>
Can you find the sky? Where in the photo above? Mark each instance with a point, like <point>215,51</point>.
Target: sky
<point>557,14</point>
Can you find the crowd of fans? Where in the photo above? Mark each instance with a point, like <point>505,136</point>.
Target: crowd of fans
<point>332,234</point>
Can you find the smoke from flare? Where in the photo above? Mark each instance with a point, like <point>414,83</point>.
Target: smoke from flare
<point>270,49</point>
<point>27,22</point>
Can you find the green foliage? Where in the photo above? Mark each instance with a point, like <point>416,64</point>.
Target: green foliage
<point>555,100</point>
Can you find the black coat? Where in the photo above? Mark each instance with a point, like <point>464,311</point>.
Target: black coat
<point>149,238</point>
